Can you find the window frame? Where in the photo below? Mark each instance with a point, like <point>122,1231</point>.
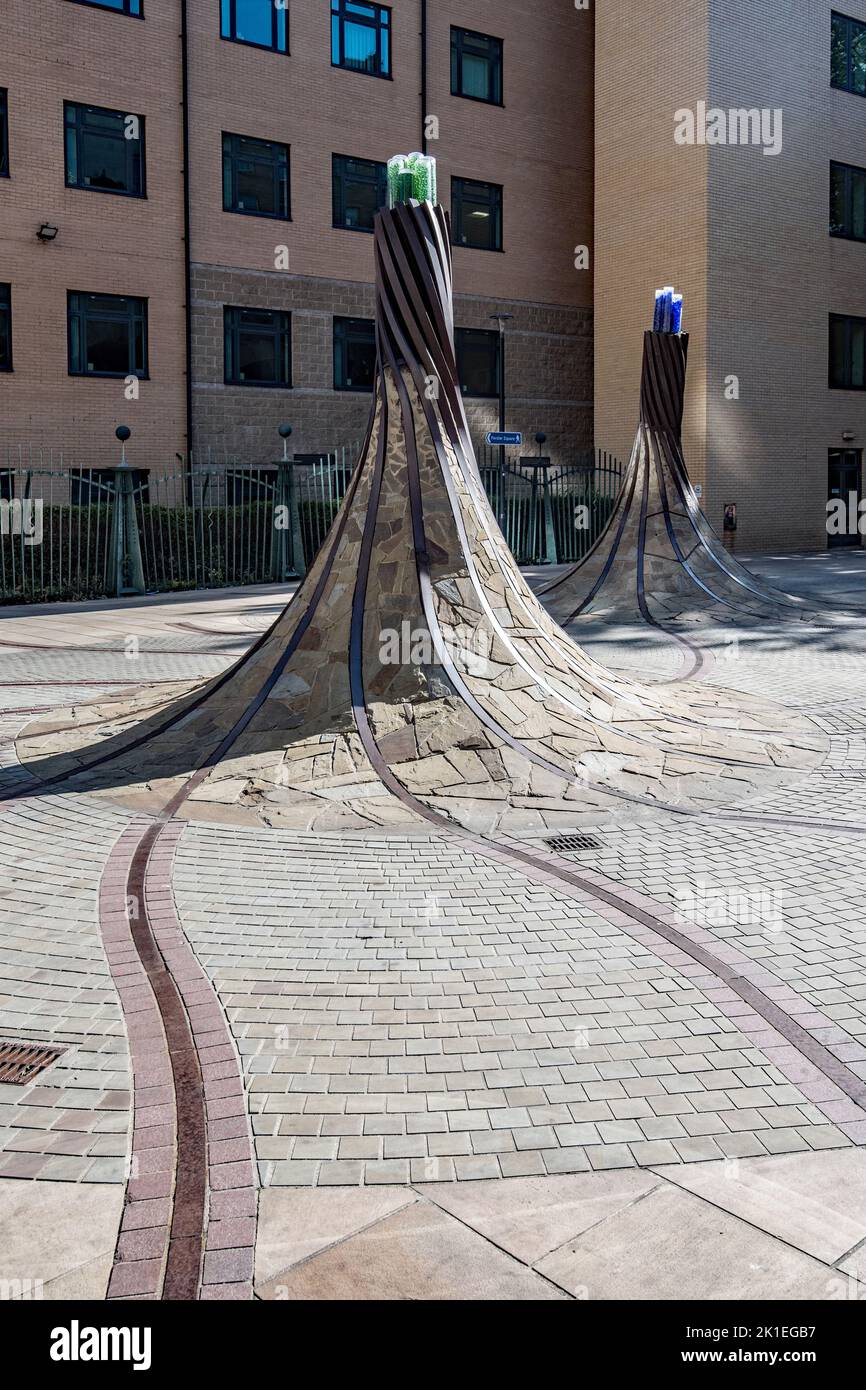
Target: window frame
<point>230,135</point>
<point>457,202</point>
<point>133,299</point>
<point>91,487</point>
<point>850,22</point>
<point>272,47</point>
<point>495,338</point>
<point>849,320</point>
<point>379,164</point>
<point>77,128</point>
<point>339,17</point>
<point>848,170</point>
<point>458,34</point>
<point>232,339</point>
<point>5,171</point>
<point>6,312</point>
<point>112,9</point>
<point>341,334</point>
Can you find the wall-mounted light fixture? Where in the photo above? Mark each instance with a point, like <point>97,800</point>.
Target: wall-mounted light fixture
<point>47,232</point>
<point>847,435</point>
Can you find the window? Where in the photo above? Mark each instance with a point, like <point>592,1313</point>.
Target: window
<point>848,54</point>
<point>476,210</point>
<point>848,201</point>
<point>259,22</point>
<point>478,361</point>
<point>360,189</point>
<point>5,328</point>
<point>95,486</point>
<point>476,66</point>
<point>4,133</point>
<point>258,347</point>
<point>255,177</point>
<point>107,335</point>
<point>121,6</point>
<point>847,353</point>
<point>354,354</point>
<point>361,37</point>
<point>104,150</point>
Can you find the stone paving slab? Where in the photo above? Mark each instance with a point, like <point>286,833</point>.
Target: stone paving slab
<point>55,1245</point>
<point>814,1202</point>
<point>417,1253</point>
<point>670,1243</point>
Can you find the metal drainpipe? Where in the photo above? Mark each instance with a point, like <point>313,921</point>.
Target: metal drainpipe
<point>184,58</point>
<point>423,76</point>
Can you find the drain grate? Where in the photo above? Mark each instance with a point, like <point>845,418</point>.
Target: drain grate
<point>20,1062</point>
<point>564,843</point>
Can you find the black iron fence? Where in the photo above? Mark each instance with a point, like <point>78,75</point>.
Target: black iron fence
<point>551,513</point>
<point>94,532</point>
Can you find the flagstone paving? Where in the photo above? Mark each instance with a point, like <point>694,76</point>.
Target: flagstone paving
<point>414,1018</point>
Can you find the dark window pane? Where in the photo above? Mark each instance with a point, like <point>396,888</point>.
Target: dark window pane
<point>847,352</point>
<point>477,214</point>
<point>104,149</point>
<point>354,354</point>
<point>476,66</point>
<point>477,361</point>
<point>839,51</point>
<point>837,199</point>
<point>255,176</point>
<point>848,201</point>
<point>257,347</point>
<point>858,58</point>
<point>122,6</point>
<point>858,204</point>
<point>93,486</point>
<point>361,37</point>
<point>5,328</point>
<point>858,353</point>
<point>258,22</point>
<point>848,54</point>
<point>107,335</point>
<point>4,133</point>
<point>360,188</point>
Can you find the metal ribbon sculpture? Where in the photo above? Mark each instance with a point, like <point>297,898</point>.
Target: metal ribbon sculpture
<point>658,556</point>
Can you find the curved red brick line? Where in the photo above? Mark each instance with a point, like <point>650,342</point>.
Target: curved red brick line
<point>188,1224</point>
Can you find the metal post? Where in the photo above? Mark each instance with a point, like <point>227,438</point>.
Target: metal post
<point>501,319</point>
<point>127,569</point>
<point>551,554</point>
<point>288,552</point>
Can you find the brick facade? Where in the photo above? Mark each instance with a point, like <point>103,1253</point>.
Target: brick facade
<point>61,50</point>
<point>548,369</point>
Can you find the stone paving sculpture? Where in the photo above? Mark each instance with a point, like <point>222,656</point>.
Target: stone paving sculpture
<point>414,671</point>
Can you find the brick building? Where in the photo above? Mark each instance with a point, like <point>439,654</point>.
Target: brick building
<point>289,111</point>
<point>187,188</point>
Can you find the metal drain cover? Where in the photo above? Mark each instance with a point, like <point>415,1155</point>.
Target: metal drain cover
<point>20,1062</point>
<point>563,843</point>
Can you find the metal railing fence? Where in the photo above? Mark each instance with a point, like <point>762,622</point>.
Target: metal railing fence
<point>84,533</point>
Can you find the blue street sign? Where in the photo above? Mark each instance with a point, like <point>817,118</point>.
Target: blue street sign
<point>505,437</point>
